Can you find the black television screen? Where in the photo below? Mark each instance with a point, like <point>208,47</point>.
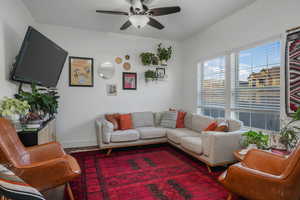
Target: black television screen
<point>39,61</point>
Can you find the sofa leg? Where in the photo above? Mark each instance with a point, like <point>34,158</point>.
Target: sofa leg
<point>69,190</point>
<point>209,169</point>
<point>108,152</point>
<point>229,196</point>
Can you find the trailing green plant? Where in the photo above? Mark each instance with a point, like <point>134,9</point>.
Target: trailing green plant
<point>150,74</point>
<point>40,99</point>
<point>164,54</point>
<point>289,134</point>
<point>252,137</point>
<point>12,106</point>
<point>147,58</point>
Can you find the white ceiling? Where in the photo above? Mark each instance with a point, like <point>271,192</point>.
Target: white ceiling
<point>195,16</point>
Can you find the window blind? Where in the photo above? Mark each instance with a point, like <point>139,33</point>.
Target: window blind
<point>257,82</point>
<point>212,83</point>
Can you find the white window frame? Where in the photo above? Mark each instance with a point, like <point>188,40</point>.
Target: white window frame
<point>231,62</point>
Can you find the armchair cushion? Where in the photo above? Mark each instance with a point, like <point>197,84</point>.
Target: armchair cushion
<point>45,152</point>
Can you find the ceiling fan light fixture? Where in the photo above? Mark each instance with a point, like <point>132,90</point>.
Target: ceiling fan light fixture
<point>139,21</point>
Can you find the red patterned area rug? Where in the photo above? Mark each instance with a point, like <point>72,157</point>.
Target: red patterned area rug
<point>151,173</point>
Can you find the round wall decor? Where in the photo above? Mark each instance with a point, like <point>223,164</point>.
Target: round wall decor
<point>127,66</point>
<point>118,60</point>
<point>127,57</point>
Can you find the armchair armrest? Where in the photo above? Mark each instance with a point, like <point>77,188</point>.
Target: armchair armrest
<point>104,130</point>
<point>264,161</point>
<point>45,152</point>
<point>219,146</point>
<point>46,173</point>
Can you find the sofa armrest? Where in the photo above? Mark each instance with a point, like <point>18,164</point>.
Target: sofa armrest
<point>219,146</point>
<point>104,130</point>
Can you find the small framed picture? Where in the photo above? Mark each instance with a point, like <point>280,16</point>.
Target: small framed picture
<point>111,90</point>
<point>81,72</point>
<point>160,73</point>
<point>129,81</point>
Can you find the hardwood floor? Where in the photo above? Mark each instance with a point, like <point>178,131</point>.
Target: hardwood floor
<point>58,193</point>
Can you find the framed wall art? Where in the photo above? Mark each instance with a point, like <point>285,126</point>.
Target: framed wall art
<point>111,90</point>
<point>160,73</point>
<point>81,72</point>
<point>292,70</point>
<point>129,81</point>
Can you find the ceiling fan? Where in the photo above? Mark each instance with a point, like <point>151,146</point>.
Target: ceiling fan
<point>140,14</point>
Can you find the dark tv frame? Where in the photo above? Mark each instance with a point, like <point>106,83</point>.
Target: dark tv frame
<point>17,63</point>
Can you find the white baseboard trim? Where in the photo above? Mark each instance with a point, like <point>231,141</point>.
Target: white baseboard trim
<point>72,144</point>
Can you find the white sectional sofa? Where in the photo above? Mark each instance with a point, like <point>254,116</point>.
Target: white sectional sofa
<point>212,148</point>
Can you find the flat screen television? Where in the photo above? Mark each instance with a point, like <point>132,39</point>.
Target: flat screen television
<point>39,61</point>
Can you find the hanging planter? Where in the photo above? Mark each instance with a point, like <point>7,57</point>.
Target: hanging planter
<point>164,54</point>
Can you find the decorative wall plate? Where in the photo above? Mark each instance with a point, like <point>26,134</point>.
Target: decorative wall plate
<point>127,57</point>
<point>127,66</point>
<point>118,60</point>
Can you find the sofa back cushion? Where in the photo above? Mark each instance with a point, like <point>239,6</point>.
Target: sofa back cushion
<point>157,118</point>
<point>142,119</point>
<point>188,120</point>
<point>169,119</point>
<point>114,119</point>
<point>200,122</point>
<point>234,125</point>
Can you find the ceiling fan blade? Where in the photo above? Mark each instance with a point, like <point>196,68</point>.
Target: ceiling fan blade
<point>164,11</point>
<point>156,24</point>
<point>126,25</point>
<point>112,12</point>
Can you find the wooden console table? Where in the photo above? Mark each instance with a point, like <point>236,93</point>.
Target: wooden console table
<point>45,134</point>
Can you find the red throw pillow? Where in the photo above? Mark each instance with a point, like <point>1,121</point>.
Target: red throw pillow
<point>180,119</point>
<point>212,126</point>
<point>125,122</point>
<point>114,119</point>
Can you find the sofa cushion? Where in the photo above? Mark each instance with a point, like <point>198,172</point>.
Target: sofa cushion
<point>169,119</point>
<point>188,120</point>
<point>176,134</point>
<point>151,132</point>
<point>114,119</point>
<point>142,119</point>
<point>193,144</point>
<point>157,118</point>
<point>125,136</point>
<point>200,122</point>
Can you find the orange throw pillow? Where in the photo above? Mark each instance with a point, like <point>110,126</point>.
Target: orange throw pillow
<point>125,122</point>
<point>212,126</point>
<point>180,119</point>
<point>223,127</point>
<point>113,118</point>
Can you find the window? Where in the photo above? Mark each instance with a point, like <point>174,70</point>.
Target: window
<point>212,87</point>
<point>256,87</point>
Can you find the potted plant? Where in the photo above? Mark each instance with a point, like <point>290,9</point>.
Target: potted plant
<point>150,75</point>
<point>147,58</point>
<point>43,101</point>
<point>164,54</point>
<point>13,109</point>
<point>254,139</point>
<point>289,133</point>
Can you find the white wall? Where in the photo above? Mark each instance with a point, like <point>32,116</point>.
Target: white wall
<point>14,20</point>
<point>80,106</point>
<point>260,21</point>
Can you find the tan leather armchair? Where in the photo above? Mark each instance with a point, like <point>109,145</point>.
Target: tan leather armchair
<point>265,176</point>
<point>43,166</point>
